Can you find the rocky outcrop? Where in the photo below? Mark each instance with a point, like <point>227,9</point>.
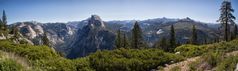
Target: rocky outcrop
<point>92,37</point>
<point>59,34</point>
<point>2,36</point>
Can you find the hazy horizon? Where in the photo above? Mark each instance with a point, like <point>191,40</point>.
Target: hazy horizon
<point>76,10</point>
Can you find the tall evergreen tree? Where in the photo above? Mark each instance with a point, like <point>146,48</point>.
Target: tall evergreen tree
<point>172,40</point>
<point>163,44</point>
<point>194,36</point>
<point>46,40</point>
<point>205,40</point>
<point>125,43</point>
<point>235,32</point>
<point>4,21</point>
<point>226,17</point>
<point>137,39</point>
<point>1,25</point>
<point>118,39</point>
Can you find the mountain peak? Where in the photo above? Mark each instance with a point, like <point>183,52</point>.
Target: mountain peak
<point>95,17</point>
<point>91,38</point>
<point>96,21</point>
<point>187,19</point>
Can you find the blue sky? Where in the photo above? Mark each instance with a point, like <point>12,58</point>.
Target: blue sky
<point>76,10</point>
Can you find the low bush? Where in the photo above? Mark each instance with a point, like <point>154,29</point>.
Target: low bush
<point>189,50</point>
<point>82,64</point>
<point>9,65</point>
<point>42,58</point>
<point>195,50</point>
<point>176,68</point>
<point>29,51</point>
<point>217,60</point>
<point>213,58</point>
<point>131,59</point>
<point>228,64</point>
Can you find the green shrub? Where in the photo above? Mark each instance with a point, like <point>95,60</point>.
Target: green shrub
<point>189,50</point>
<point>194,50</point>
<point>29,51</point>
<point>38,56</point>
<point>131,59</point>
<point>228,64</point>
<point>23,41</point>
<point>176,68</point>
<point>42,58</point>
<point>213,58</point>
<point>10,65</point>
<point>82,64</point>
<point>216,60</point>
<point>57,64</point>
<point>193,66</point>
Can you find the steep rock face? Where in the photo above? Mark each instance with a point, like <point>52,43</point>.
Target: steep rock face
<point>27,30</point>
<point>59,34</point>
<point>92,37</point>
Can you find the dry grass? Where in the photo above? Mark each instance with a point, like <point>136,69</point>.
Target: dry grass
<point>20,60</point>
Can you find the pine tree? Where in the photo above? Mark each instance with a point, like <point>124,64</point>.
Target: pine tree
<point>137,39</point>
<point>4,21</point>
<point>163,44</point>
<point>178,43</point>
<point>226,18</point>
<point>194,36</point>
<point>235,32</point>
<point>118,39</point>
<point>125,41</point>
<point>205,40</point>
<point>46,40</point>
<point>1,26</point>
<point>172,39</point>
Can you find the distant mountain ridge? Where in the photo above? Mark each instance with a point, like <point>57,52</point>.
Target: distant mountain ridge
<point>60,34</point>
<point>80,38</point>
